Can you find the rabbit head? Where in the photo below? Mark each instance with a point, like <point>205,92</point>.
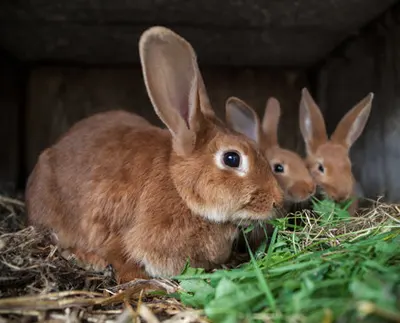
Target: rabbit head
<point>328,158</point>
<point>288,167</point>
<point>220,174</point>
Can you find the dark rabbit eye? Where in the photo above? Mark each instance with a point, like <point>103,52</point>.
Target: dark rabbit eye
<point>231,159</point>
<point>278,168</point>
<point>321,168</point>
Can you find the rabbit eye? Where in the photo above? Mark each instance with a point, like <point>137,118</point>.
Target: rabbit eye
<point>278,168</point>
<point>231,159</point>
<point>321,168</point>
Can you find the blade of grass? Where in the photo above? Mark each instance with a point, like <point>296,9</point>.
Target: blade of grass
<point>261,279</point>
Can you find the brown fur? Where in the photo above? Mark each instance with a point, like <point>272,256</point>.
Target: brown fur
<point>337,180</point>
<point>118,190</point>
<point>295,180</point>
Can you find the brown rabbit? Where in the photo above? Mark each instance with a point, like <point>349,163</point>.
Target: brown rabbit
<point>117,190</point>
<point>288,167</point>
<point>328,159</point>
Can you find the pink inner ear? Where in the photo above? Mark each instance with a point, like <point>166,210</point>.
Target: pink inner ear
<point>183,107</point>
<point>185,114</point>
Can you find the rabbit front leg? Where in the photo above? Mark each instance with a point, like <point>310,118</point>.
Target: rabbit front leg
<point>87,260</point>
<point>128,271</point>
<point>125,269</point>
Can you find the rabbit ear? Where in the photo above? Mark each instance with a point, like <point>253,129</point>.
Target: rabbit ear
<point>205,104</point>
<point>172,79</point>
<point>270,122</point>
<point>242,118</point>
<point>352,124</point>
<point>312,125</point>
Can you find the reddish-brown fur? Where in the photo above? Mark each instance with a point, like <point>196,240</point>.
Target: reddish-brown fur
<point>295,179</point>
<point>118,190</point>
<point>336,180</point>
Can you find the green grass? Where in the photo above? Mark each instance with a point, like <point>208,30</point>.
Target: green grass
<point>334,268</point>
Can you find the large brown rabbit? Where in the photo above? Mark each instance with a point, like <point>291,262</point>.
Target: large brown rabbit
<point>117,190</point>
<point>328,159</point>
<point>288,167</point>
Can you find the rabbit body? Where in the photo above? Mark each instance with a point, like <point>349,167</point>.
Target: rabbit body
<point>104,191</point>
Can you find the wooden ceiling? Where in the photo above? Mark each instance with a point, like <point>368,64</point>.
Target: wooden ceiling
<point>232,32</point>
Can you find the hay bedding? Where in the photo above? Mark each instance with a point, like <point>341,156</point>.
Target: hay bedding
<point>38,283</point>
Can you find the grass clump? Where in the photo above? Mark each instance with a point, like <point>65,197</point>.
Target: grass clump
<point>332,268</point>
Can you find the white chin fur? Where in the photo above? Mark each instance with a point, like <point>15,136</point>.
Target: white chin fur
<point>217,215</point>
<point>221,216</point>
<point>245,215</point>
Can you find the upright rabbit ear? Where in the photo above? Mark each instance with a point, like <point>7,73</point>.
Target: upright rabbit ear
<point>174,84</point>
<point>352,124</point>
<point>270,122</point>
<point>312,125</point>
<point>242,118</point>
<point>205,104</point>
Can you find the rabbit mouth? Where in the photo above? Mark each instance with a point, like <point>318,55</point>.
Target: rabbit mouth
<point>297,199</point>
<point>329,196</point>
<point>321,193</point>
<point>299,192</point>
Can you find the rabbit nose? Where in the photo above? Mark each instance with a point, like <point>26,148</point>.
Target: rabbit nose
<point>301,189</point>
<point>338,195</point>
